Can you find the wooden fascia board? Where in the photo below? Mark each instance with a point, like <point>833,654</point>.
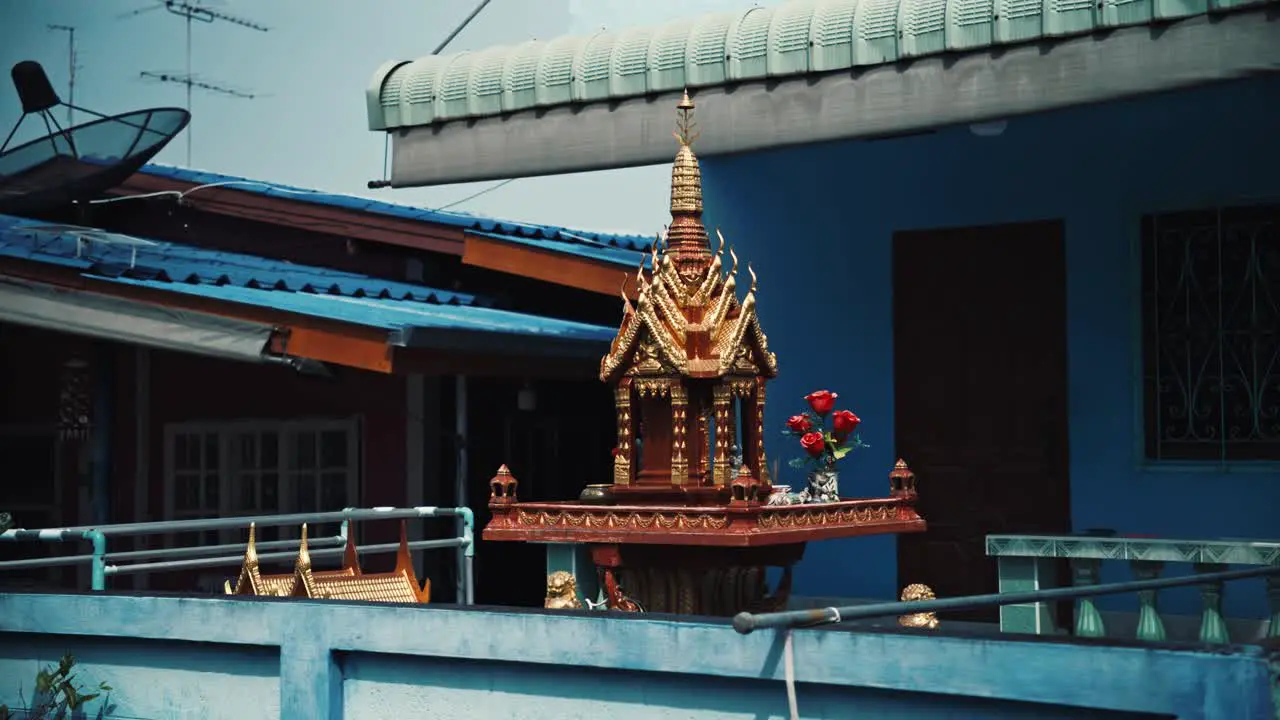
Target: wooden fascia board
<point>354,224</point>
<point>548,266</point>
<point>301,336</point>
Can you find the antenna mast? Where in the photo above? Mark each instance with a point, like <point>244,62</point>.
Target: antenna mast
<point>70,30</point>
<point>196,11</point>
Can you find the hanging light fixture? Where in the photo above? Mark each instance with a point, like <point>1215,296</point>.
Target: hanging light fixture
<point>74,400</point>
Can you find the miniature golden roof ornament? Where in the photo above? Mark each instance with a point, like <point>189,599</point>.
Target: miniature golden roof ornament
<point>688,326</point>
<point>346,583</point>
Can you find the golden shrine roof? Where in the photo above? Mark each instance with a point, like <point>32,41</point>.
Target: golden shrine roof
<point>687,319</point>
<point>346,583</point>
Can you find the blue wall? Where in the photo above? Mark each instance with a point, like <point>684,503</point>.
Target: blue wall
<point>817,223</point>
<point>226,658</point>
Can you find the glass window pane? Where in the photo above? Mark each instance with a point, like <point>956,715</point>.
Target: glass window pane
<point>211,451</point>
<point>186,491</point>
<point>306,493</point>
<point>270,483</point>
<point>269,452</point>
<point>245,492</point>
<point>333,448</point>
<point>211,492</point>
<point>181,461</point>
<point>333,491</point>
<point>247,450</point>
<point>304,450</point>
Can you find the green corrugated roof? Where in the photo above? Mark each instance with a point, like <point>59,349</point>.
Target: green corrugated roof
<point>796,38</point>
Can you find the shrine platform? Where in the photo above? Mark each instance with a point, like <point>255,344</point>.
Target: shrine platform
<point>717,525</point>
<point>264,658</point>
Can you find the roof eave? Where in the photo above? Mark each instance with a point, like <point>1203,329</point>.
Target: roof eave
<point>877,101</point>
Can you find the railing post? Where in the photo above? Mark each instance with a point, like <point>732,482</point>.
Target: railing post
<point>1273,598</point>
<point>1084,572</point>
<point>98,570</point>
<point>1150,626</point>
<point>1213,629</point>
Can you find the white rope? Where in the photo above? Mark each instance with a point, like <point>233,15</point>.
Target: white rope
<point>789,670</point>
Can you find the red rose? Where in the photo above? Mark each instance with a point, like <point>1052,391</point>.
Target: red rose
<point>799,423</point>
<point>821,401</point>
<point>813,443</point>
<point>844,422</point>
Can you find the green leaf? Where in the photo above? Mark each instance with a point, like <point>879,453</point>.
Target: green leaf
<point>841,452</point>
<point>796,462</point>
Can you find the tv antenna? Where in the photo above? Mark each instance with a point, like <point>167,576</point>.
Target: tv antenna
<point>196,11</point>
<point>72,66</point>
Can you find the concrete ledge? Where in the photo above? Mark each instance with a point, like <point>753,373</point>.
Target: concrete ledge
<point>331,652</point>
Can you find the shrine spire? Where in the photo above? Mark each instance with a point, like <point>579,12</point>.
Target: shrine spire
<point>687,241</point>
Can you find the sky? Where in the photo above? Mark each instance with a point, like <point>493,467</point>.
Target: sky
<point>306,124</point>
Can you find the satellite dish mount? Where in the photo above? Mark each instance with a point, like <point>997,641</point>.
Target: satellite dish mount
<point>75,163</point>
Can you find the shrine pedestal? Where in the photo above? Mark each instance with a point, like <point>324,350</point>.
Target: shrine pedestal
<point>703,560</point>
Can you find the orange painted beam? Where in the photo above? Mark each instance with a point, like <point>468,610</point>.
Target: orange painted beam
<point>326,346</point>
<point>547,266</point>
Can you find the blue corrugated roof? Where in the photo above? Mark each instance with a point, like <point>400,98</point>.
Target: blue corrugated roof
<point>251,280</point>
<point>618,248</point>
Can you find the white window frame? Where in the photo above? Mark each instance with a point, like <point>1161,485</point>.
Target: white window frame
<point>286,430</point>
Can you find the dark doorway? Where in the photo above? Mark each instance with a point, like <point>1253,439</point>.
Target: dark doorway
<point>554,449</point>
<point>980,393</point>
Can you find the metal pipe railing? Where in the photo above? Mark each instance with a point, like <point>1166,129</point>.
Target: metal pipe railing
<point>198,563</point>
<point>97,537</point>
<point>38,563</point>
<point>232,523</point>
<point>745,622</point>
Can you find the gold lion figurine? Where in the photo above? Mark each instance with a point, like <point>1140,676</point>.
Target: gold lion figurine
<point>562,592</point>
<point>913,593</point>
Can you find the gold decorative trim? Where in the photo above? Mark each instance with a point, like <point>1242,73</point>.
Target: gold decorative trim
<point>611,520</point>
<point>809,517</point>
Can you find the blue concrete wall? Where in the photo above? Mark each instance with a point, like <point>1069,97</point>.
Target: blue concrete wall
<point>817,223</point>
<point>223,658</point>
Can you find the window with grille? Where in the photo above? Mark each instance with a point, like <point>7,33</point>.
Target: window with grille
<point>261,468</point>
<point>1211,334</point>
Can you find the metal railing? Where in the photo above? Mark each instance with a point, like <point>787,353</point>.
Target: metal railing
<point>746,622</point>
<point>103,563</point>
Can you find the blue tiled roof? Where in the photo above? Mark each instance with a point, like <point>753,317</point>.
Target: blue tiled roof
<point>617,248</point>
<point>251,280</point>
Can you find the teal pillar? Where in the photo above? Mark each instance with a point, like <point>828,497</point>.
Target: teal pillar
<point>1273,597</point>
<point>1026,574</point>
<point>310,679</point>
<point>575,559</point>
<point>1150,626</point>
<point>1213,629</point>
<point>1085,572</point>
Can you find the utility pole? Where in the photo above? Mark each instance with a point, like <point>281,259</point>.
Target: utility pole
<point>70,30</point>
<point>195,11</point>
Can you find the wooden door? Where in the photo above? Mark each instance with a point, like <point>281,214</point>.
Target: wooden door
<point>980,395</point>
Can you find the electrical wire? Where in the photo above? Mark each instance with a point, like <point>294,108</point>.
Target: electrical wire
<point>473,196</point>
<point>181,194</point>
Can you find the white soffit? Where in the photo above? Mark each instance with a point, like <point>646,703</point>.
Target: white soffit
<point>109,318</point>
<point>446,130</point>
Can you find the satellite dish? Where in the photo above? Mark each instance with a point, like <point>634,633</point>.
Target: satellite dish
<point>80,162</point>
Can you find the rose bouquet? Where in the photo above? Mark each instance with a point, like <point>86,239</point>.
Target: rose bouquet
<point>826,435</point>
